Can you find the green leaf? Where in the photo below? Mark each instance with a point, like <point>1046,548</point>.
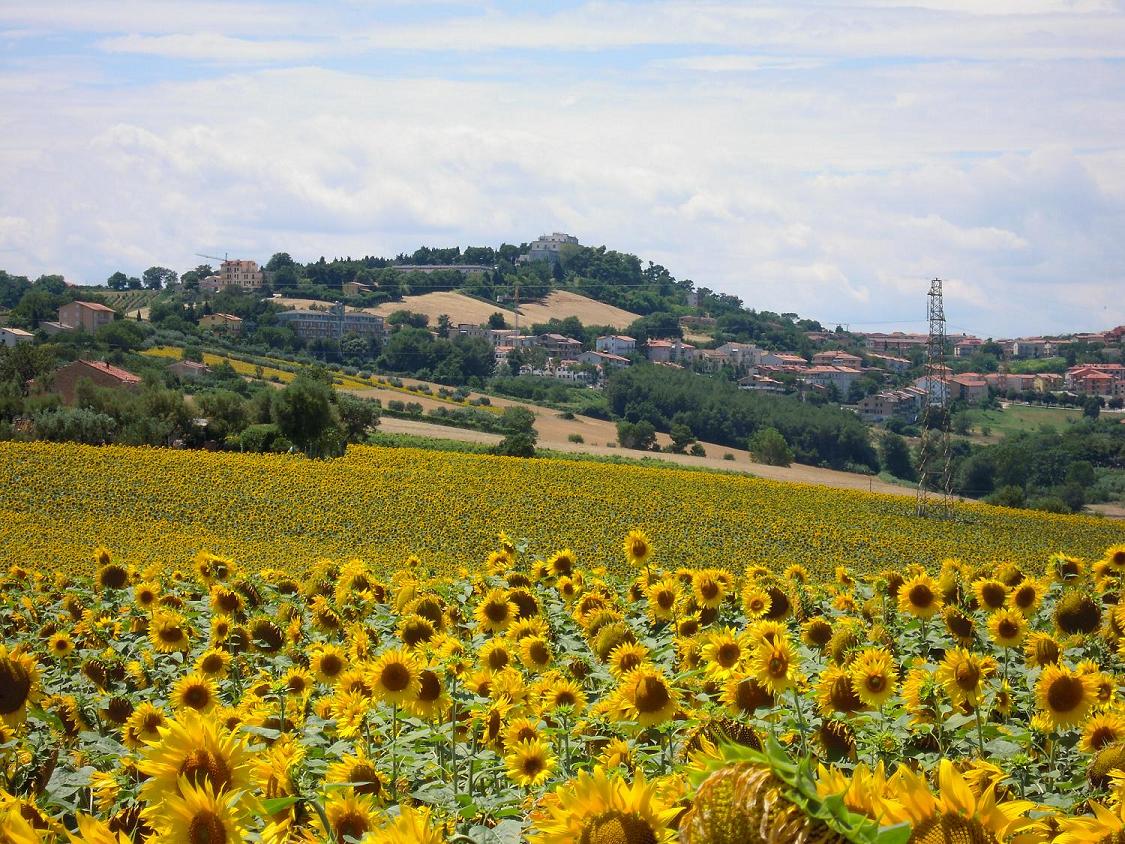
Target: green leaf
<point>273,805</point>
<point>897,834</point>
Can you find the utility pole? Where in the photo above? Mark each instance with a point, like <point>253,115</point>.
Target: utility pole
<point>935,451</point>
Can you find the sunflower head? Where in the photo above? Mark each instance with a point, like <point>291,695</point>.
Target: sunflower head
<point>1077,612</point>
<point>1064,696</point>
<point>637,547</point>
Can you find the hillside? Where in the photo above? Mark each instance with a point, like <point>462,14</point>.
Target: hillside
<point>560,304</point>
<point>383,504</point>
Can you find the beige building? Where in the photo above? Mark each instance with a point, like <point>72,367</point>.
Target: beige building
<point>221,322</point>
<point>89,316</point>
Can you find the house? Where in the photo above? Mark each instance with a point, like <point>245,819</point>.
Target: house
<point>761,383</point>
<point>468,329</point>
<point>87,316</point>
<point>101,374</point>
<point>15,336</point>
<point>244,274</point>
<point>1047,382</point>
<point>228,323</point>
<point>837,358</point>
<point>969,387</point>
<point>669,351</point>
<point>889,362</point>
<point>546,247</point>
<point>896,342</point>
<point>616,344</point>
<point>937,386</point>
<point>742,354</point>
<point>189,370</point>
<point>1032,347</point>
<point>355,288</point>
<point>605,360</point>
<point>841,377</point>
<point>967,347</point>
<point>332,324</point>
<point>905,403</point>
<point>786,362</point>
<point>1096,379</point>
<point>559,346</point>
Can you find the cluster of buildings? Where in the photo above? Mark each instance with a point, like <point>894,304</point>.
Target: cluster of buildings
<point>1096,379</point>
<point>245,274</point>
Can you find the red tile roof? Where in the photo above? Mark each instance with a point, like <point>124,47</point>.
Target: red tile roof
<point>116,372</point>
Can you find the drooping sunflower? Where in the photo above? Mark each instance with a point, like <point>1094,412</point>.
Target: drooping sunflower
<point>919,596</point>
<point>920,694</point>
<point>19,684</point>
<point>496,611</point>
<point>601,807</point>
<point>1008,627</point>
<point>646,696</point>
<point>637,547</point>
<point>357,771</point>
<point>774,665</point>
<point>816,633</point>
<point>395,677</point>
<point>529,764</point>
<point>1041,649</point>
<point>196,748</point>
<point>1077,612</point>
<point>873,676</point>
<point>1064,696</point>
<point>963,674</point>
<point>744,696</point>
<point>834,692</point>
<point>196,813</point>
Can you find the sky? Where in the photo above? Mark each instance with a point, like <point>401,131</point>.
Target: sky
<point>823,158</point>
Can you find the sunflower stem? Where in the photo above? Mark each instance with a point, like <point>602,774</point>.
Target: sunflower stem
<point>980,734</point>
<point>800,720</point>
<point>394,747</point>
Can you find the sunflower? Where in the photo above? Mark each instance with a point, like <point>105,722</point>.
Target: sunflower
<point>349,710</point>
<point>723,654</point>
<point>602,807</point>
<point>60,645</point>
<point>962,674</point>
<point>195,691</point>
<point>562,693</point>
<point>496,611</point>
<point>991,594</point>
<point>1077,612</point>
<point>637,547</point>
<point>530,763</point>
<point>196,814</point>
<point>19,685</point>
<point>359,772</point>
<point>561,562</point>
<point>494,655</point>
<point>168,632</point>
<point>834,692</point>
<point>954,813</point>
<point>1041,649</point>
<point>213,662</point>
<point>1026,596</point>
<point>143,725</point>
<point>816,633</point>
<point>196,749</point>
<point>113,576</point>
<point>662,597</point>
<point>646,696</point>
<point>959,624</point>
<point>1102,730</point>
<point>873,677</point>
<point>1114,559</point>
<point>415,630</point>
<point>535,654</point>
<point>774,666</point>
<point>626,657</point>
<point>1008,627</point>
<point>297,682</point>
<point>395,677</point>
<point>1064,696</point>
<point>708,588</point>
<point>412,825</point>
<point>432,698</point>
<point>350,815</point>
<point>744,696</point>
<point>919,596</point>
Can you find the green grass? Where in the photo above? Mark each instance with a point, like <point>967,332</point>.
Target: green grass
<point>1015,418</point>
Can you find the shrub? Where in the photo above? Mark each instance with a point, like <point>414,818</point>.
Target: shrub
<point>769,447</point>
<point>575,438</point>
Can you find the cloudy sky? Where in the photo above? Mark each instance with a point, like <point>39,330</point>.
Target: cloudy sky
<point>818,157</point>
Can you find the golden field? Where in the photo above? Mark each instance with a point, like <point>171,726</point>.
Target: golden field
<point>59,500</point>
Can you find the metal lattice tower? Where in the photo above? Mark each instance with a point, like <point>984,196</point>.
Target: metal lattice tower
<point>935,452</point>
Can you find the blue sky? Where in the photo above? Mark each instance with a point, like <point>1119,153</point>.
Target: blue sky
<point>824,158</point>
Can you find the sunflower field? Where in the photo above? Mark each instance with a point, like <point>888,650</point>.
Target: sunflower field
<point>541,697</point>
<point>382,505</point>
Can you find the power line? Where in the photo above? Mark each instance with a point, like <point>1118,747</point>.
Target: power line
<point>936,449</point>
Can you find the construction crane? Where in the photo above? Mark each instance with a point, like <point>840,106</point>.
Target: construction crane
<point>226,257</point>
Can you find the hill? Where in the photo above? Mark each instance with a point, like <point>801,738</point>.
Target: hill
<point>284,512</point>
<point>560,304</point>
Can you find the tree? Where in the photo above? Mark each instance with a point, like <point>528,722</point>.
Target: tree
<point>117,281</point>
<point>158,277</point>
<point>1092,407</point>
<point>769,447</point>
<point>895,456</point>
<point>225,411</point>
<point>303,413</point>
<point>518,424</point>
<point>496,320</point>
<point>682,437</point>
<point>640,435</point>
<point>443,325</point>
<point>21,364</point>
<point>122,334</point>
<point>133,283</point>
<point>357,416</point>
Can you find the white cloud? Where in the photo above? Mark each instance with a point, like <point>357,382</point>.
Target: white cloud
<point>210,46</point>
